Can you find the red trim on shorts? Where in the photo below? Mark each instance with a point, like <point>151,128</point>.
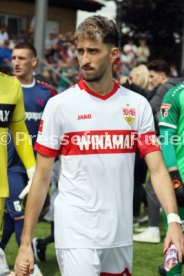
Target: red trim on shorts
<point>46,150</point>
<point>124,273</point>
<point>82,84</point>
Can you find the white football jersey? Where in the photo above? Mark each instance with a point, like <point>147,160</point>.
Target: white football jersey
<point>96,138</point>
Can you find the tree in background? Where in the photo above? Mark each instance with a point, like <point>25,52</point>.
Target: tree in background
<point>160,21</point>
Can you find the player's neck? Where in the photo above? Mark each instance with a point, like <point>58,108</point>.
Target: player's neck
<point>26,80</point>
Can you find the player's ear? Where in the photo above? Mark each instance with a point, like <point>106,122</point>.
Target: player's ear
<point>114,54</point>
<point>163,76</point>
<point>34,62</point>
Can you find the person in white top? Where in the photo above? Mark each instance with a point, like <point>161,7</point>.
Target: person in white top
<point>95,127</point>
<point>3,35</point>
<point>143,52</point>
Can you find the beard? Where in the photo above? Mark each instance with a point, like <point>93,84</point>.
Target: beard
<point>92,78</point>
<point>95,77</point>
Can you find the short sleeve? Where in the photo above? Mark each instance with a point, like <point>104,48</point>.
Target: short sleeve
<point>50,130</point>
<point>147,140</point>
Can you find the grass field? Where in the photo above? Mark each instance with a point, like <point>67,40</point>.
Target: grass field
<point>146,256</point>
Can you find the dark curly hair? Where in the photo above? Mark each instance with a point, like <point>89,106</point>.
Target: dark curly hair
<point>98,27</point>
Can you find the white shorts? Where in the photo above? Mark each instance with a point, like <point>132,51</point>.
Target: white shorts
<point>95,262</point>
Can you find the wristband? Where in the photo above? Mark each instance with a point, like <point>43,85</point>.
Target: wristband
<point>30,172</point>
<point>173,218</point>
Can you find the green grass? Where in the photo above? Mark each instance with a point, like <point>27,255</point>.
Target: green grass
<point>147,257</point>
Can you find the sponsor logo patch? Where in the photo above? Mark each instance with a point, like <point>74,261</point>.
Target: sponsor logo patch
<point>40,102</point>
<point>40,127</point>
<point>36,116</point>
<point>165,110</point>
<point>6,111</point>
<point>84,116</point>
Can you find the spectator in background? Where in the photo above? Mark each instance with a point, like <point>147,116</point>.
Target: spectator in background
<point>3,35</point>
<point>6,70</point>
<point>161,80</point>
<point>159,72</point>
<point>143,52</point>
<point>51,41</point>
<point>138,81</point>
<point>5,55</point>
<point>118,70</point>
<point>68,74</point>
<point>124,60</point>
<point>140,76</point>
<point>22,36</point>
<point>173,70</point>
<point>128,56</point>
<point>72,51</point>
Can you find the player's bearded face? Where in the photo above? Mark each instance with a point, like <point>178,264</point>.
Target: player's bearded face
<point>94,76</point>
<point>93,57</point>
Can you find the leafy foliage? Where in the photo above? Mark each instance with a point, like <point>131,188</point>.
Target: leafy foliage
<point>160,21</point>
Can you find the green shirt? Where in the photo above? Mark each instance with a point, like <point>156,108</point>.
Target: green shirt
<point>172,116</point>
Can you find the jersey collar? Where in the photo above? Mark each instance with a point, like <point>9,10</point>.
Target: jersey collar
<point>82,85</point>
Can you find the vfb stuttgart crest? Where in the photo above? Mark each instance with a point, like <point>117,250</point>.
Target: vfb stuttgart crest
<point>165,110</point>
<point>129,114</point>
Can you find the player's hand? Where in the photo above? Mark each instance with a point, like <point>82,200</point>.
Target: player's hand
<point>24,263</point>
<point>175,235</point>
<point>25,191</point>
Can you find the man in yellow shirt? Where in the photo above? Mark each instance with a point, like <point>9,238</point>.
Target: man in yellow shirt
<point>12,116</point>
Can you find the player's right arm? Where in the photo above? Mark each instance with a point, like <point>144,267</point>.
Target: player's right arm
<point>48,146</point>
<point>35,201</point>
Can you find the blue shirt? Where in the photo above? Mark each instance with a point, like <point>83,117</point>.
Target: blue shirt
<point>5,53</point>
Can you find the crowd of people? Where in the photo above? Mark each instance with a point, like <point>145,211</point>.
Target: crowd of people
<point>88,176</point>
<point>60,66</point>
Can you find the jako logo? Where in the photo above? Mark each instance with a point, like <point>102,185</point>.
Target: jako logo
<point>84,116</point>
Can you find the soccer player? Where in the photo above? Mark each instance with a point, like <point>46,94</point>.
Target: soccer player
<point>36,94</point>
<point>171,134</point>
<point>95,127</point>
<point>12,116</point>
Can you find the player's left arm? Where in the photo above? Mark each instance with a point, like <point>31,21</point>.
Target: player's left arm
<point>23,144</point>
<point>20,134</point>
<point>165,193</point>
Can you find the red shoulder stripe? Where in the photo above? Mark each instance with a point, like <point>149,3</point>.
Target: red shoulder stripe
<point>48,85</point>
